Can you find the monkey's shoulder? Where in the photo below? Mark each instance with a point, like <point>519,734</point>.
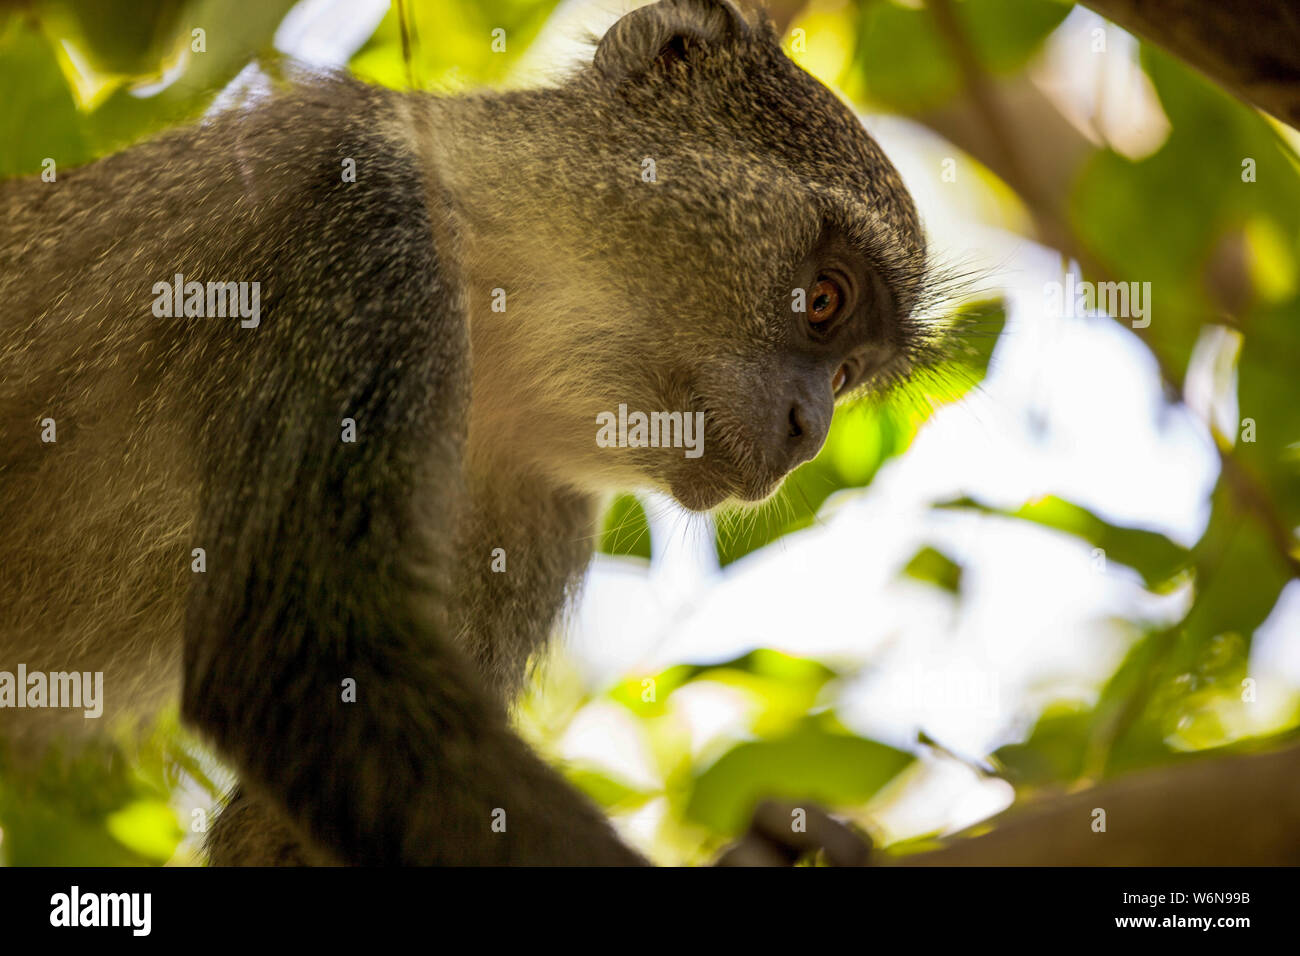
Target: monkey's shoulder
<point>321,202</point>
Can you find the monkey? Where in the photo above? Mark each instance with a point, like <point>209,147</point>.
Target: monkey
<point>282,506</point>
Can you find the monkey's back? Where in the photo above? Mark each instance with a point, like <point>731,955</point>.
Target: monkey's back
<point>100,525</point>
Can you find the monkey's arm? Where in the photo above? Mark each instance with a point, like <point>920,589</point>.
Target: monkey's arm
<point>410,773</point>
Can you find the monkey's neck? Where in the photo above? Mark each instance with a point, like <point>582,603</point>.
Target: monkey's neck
<point>495,149</point>
<point>526,533</point>
<point>522,546</point>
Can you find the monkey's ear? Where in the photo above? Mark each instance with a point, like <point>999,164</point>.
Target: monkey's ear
<point>663,33</point>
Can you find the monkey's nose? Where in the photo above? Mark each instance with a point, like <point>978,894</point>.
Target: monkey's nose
<point>808,421</point>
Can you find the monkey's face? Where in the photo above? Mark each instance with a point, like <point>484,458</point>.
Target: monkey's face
<point>757,364</point>
<point>760,255</point>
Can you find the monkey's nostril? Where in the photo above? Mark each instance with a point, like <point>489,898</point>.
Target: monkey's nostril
<point>807,424</point>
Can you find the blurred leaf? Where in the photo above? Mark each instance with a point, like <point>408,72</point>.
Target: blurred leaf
<point>779,703</point>
<point>767,663</point>
<point>811,763</point>
<point>784,667</point>
<point>39,834</point>
<point>43,121</point>
<point>148,827</point>
<point>1266,389</point>
<point>450,42</point>
<point>1054,751</point>
<point>607,792</point>
<point>54,813</point>
<point>861,439</point>
<point>48,123</point>
<point>935,567</point>
<point>1191,191</point>
<point>1149,553</point>
<point>246,33</point>
<point>786,687</point>
<point>903,64</point>
<point>1163,683</point>
<point>1239,574</point>
<point>120,36</point>
<point>633,692</point>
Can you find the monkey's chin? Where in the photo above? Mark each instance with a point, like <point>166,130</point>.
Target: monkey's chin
<point>705,497</point>
<point>699,498</point>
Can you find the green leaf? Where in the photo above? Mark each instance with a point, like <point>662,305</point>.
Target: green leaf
<point>1268,445</point>
<point>1054,752</point>
<point>46,121</point>
<point>633,691</point>
<point>53,812</point>
<point>811,763</point>
<point>605,790</point>
<point>935,567</point>
<point>904,64</point>
<point>1169,681</point>
<point>121,36</point>
<point>787,686</point>
<point>1239,573</point>
<point>450,42</point>
<point>147,827</point>
<point>1149,553</point>
<point>43,121</point>
<point>1192,193</point>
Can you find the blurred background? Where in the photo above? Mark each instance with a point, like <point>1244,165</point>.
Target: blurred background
<point>1070,557</point>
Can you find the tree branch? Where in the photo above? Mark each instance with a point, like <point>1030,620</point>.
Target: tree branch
<point>1224,811</point>
<point>1251,47</point>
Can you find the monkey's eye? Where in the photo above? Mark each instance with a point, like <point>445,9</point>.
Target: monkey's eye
<point>826,299</point>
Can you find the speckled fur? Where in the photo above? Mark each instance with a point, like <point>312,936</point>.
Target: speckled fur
<point>372,560</point>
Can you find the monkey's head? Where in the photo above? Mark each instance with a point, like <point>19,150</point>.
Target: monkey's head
<point>742,249</point>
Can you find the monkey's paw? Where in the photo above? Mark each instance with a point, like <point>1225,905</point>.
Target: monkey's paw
<point>781,833</point>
